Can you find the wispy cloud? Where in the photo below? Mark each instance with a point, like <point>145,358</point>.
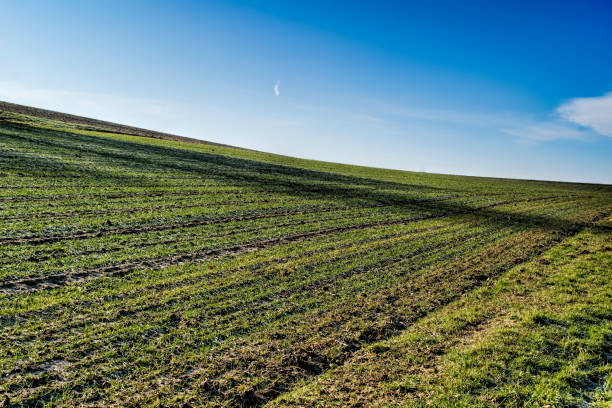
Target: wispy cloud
<point>130,110</point>
<point>595,113</point>
<point>576,119</point>
<point>277,88</point>
<point>459,117</point>
<point>546,131</point>
<point>100,105</point>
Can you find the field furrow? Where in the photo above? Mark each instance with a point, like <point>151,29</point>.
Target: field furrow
<point>151,272</point>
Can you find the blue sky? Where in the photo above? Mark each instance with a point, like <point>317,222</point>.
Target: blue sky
<point>508,89</point>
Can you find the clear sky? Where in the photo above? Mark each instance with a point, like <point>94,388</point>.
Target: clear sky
<point>511,89</point>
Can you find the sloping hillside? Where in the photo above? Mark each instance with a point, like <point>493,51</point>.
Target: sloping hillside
<point>145,271</point>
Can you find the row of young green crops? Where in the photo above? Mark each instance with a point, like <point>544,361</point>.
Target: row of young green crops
<point>115,248</point>
<point>141,318</point>
<point>88,253</point>
<point>139,271</point>
<point>537,336</point>
<point>165,303</point>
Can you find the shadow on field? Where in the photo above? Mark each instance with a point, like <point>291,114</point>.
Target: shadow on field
<point>394,300</point>
<point>278,178</point>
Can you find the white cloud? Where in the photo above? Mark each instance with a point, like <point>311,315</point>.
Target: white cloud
<point>595,113</point>
<point>277,88</point>
<point>575,119</point>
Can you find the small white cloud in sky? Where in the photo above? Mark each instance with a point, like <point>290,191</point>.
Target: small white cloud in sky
<point>595,113</point>
<point>575,119</point>
<point>277,88</point>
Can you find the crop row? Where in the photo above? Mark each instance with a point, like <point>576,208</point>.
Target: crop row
<point>139,272</point>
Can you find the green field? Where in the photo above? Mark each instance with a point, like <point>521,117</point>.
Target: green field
<point>149,272</point>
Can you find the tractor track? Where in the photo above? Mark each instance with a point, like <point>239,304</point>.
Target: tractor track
<point>39,258</point>
<point>36,240</point>
<point>58,280</point>
<point>126,195</point>
<point>132,210</point>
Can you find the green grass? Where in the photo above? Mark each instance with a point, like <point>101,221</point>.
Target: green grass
<point>540,335</point>
<point>148,272</point>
